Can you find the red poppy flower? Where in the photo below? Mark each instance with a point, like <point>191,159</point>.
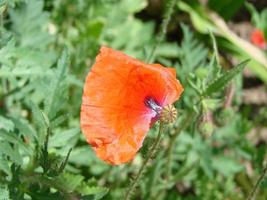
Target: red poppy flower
<point>122,96</point>
<point>257,38</point>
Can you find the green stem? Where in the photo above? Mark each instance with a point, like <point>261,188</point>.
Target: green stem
<point>144,165</point>
<point>2,18</point>
<point>257,185</point>
<point>163,29</point>
<point>169,151</point>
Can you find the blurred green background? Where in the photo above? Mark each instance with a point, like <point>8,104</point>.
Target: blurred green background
<point>215,150</point>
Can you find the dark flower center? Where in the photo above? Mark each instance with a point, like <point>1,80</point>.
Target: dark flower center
<point>151,103</point>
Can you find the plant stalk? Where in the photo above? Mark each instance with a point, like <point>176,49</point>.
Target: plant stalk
<point>169,151</point>
<point>144,165</point>
<point>254,190</point>
<point>163,29</point>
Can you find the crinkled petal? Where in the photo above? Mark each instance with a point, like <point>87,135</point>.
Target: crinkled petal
<point>114,117</point>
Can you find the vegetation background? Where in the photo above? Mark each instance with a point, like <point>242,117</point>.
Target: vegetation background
<point>215,150</point>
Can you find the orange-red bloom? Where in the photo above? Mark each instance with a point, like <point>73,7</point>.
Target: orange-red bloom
<point>122,97</point>
<point>257,38</point>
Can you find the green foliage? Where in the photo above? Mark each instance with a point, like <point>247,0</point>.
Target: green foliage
<point>4,194</point>
<point>11,3</point>
<point>56,88</point>
<point>192,52</point>
<point>46,50</point>
<point>259,19</point>
<point>224,79</point>
<point>206,21</point>
<point>226,8</point>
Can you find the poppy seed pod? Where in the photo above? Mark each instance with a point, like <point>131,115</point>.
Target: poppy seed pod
<point>168,114</point>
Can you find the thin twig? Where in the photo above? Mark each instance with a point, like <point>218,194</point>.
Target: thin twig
<point>163,29</point>
<point>144,165</point>
<point>64,163</point>
<point>254,190</point>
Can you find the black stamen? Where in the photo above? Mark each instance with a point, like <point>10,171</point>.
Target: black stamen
<point>151,103</point>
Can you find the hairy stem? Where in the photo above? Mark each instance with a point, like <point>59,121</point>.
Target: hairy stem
<point>163,28</point>
<point>254,190</point>
<point>179,129</point>
<point>150,154</point>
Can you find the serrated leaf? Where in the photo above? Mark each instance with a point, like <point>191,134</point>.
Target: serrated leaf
<point>14,139</point>
<point>4,166</point>
<point>70,181</point>
<point>40,122</point>
<point>192,52</point>
<point>55,94</point>
<point>24,128</point>
<point>75,183</point>
<point>12,153</point>
<point>65,137</point>
<point>223,80</point>
<point>56,122</point>
<point>6,53</point>
<point>6,124</point>
<point>28,23</point>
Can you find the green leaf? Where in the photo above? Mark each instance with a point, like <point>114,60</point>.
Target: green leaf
<point>92,193</point>
<point>75,183</point>
<point>169,50</point>
<point>226,166</point>
<point>70,181</point>
<point>6,124</point>
<point>224,79</point>
<point>12,153</point>
<point>57,121</point>
<point>56,91</point>
<point>254,13</point>
<point>39,121</point>
<point>4,165</point>
<point>192,53</point>
<point>7,52</point>
<point>29,22</point>
<point>65,137</point>
<point>83,156</point>
<point>4,193</point>
<point>25,128</point>
<point>10,2</point>
<point>14,139</point>
<point>133,6</point>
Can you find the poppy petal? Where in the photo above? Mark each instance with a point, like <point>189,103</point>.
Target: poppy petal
<point>257,38</point>
<point>114,115</point>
